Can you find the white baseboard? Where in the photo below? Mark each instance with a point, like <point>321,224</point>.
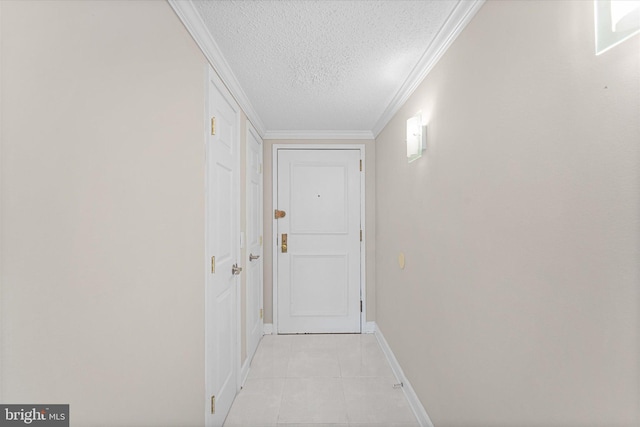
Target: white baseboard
<point>369,328</point>
<point>412,397</point>
<point>244,372</point>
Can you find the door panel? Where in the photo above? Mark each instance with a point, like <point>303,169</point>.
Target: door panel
<point>319,203</point>
<point>311,296</point>
<point>319,274</point>
<point>225,251</point>
<point>222,242</point>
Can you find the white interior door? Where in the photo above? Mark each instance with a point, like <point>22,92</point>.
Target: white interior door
<point>223,252</point>
<point>318,252</point>
<point>254,261</point>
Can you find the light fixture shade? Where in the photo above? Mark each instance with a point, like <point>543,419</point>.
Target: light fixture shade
<point>625,15</point>
<point>615,22</point>
<point>416,137</point>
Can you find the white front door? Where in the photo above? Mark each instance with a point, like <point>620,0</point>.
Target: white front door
<point>254,261</point>
<point>222,246</point>
<point>318,252</point>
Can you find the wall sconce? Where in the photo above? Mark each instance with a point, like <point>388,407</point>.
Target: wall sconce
<point>615,22</point>
<point>416,137</point>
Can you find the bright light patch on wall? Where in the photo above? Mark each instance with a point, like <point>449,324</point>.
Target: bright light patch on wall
<point>416,137</point>
<point>615,22</point>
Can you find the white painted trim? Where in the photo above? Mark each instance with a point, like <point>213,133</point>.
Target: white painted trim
<point>274,239</point>
<point>461,15</point>
<point>369,328</point>
<point>251,128</point>
<point>320,146</point>
<point>192,20</point>
<point>363,241</point>
<point>244,373</point>
<point>268,328</point>
<point>318,134</point>
<point>274,228</point>
<point>246,368</point>
<point>409,392</point>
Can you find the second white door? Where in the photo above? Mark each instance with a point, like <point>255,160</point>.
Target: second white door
<point>318,252</point>
<point>254,270</point>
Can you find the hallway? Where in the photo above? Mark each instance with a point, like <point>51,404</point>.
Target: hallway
<point>501,268</point>
<point>317,380</point>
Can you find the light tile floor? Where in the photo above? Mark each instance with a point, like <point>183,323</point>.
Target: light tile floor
<point>320,380</point>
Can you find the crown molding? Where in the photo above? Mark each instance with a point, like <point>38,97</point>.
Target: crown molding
<point>461,15</point>
<point>191,19</point>
<point>318,134</point>
<point>453,26</point>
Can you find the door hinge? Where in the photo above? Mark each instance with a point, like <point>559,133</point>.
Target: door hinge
<point>360,165</point>
<point>361,235</point>
<point>260,240</point>
<point>213,404</point>
<point>213,264</point>
<point>213,125</point>
<point>260,168</point>
<point>360,306</point>
<point>279,214</point>
<point>261,313</point>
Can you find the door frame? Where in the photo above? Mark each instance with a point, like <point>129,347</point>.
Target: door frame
<point>212,77</point>
<point>274,227</point>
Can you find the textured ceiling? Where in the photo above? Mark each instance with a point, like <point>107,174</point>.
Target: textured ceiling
<point>322,65</point>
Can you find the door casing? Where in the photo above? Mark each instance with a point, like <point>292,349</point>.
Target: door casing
<point>274,236</point>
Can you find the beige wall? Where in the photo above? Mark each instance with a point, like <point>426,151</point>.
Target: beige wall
<point>102,212</point>
<point>519,303</point>
<point>370,219</point>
